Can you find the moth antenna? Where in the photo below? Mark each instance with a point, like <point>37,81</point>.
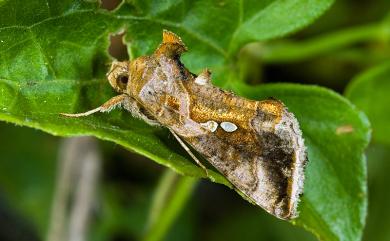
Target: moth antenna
<point>187,149</point>
<point>106,107</point>
<point>87,113</point>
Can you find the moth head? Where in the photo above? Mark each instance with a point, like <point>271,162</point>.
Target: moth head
<point>118,76</point>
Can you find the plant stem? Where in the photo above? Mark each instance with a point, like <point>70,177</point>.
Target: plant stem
<point>286,51</point>
<point>77,179</point>
<point>170,197</point>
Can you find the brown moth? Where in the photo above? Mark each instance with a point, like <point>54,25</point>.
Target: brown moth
<point>256,145</point>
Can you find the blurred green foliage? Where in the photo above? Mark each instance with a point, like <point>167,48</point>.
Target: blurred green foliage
<point>370,92</point>
<point>49,66</point>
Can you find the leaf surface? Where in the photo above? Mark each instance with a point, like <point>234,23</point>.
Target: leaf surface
<point>370,92</point>
<point>336,134</point>
<point>53,58</point>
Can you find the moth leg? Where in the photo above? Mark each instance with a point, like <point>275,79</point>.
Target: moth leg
<point>136,110</point>
<point>189,152</point>
<point>106,107</point>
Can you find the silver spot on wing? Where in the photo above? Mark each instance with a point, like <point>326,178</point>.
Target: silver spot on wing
<point>210,125</point>
<point>201,80</point>
<point>228,126</point>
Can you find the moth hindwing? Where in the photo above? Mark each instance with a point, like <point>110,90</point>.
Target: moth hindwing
<point>256,145</point>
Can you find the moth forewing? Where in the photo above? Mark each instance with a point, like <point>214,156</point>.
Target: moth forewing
<point>264,160</point>
<point>256,145</point>
<point>284,157</point>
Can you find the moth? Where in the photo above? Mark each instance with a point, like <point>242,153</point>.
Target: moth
<point>256,145</point>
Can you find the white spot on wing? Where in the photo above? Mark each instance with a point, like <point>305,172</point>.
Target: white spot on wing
<point>228,126</point>
<point>210,125</point>
<point>201,80</point>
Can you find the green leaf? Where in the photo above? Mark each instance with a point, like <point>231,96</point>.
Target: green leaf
<point>215,30</point>
<point>290,51</point>
<point>370,92</point>
<point>335,196</point>
<point>52,60</point>
<point>51,57</point>
<point>277,18</point>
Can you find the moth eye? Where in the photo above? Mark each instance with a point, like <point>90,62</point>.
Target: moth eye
<point>122,81</point>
